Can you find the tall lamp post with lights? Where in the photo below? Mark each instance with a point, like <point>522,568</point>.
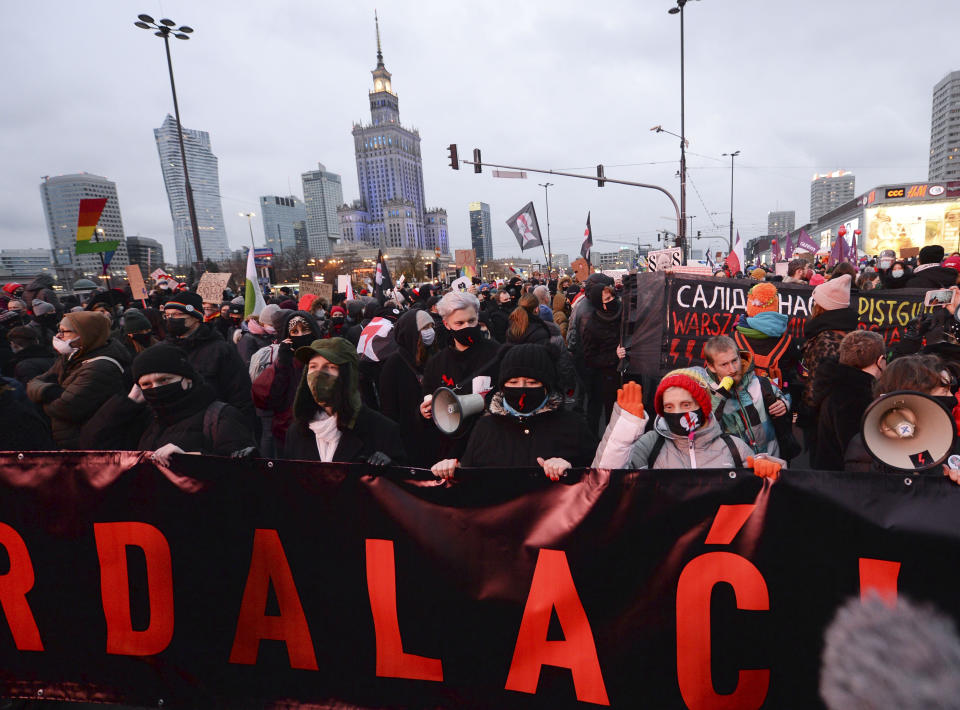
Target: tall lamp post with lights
<point>163,29</point>
<point>546,196</point>
<point>678,10</point>
<point>732,155</point>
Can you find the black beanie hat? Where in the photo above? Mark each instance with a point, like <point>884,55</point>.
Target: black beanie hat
<point>931,254</point>
<point>529,360</point>
<point>134,321</point>
<point>162,358</point>
<point>187,302</point>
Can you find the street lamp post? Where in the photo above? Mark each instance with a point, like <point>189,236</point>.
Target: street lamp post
<point>546,196</point>
<point>683,147</point>
<point>249,216</point>
<point>164,28</point>
<point>732,155</point>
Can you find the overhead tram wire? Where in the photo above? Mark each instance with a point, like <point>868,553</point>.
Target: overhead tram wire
<point>700,197</point>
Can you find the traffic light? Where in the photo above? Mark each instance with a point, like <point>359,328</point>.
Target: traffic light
<point>477,166</point>
<point>600,180</point>
<point>454,162</point>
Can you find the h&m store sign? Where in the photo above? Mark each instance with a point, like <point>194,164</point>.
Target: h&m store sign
<point>916,191</point>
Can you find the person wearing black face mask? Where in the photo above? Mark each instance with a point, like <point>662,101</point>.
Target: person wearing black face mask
<point>467,364</point>
<point>275,387</point>
<point>138,332</point>
<point>526,424</point>
<point>601,352</point>
<point>169,410</point>
<point>217,361</point>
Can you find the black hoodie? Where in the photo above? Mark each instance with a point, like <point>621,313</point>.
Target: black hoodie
<point>933,277</point>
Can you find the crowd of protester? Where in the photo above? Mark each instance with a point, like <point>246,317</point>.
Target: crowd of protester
<point>353,380</point>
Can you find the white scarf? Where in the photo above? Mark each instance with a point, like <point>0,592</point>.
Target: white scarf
<point>324,428</point>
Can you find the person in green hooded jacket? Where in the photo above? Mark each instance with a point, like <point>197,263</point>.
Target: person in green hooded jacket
<point>330,421</point>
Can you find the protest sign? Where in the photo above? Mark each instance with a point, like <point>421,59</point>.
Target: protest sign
<point>322,290</point>
<point>664,258</point>
<point>211,286</point>
<point>137,288</point>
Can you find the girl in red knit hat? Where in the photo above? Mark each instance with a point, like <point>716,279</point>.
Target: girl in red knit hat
<point>685,433</point>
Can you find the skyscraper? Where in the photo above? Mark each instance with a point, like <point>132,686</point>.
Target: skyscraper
<point>781,222</point>
<point>945,129</point>
<point>481,231</point>
<point>279,215</point>
<point>147,253</point>
<point>205,181</point>
<point>391,211</point>
<point>322,195</point>
<point>829,191</point>
<point>61,205</point>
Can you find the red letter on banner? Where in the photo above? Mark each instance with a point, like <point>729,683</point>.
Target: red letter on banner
<point>14,586</point>
<point>694,673</point>
<point>392,662</point>
<point>112,542</point>
<point>879,577</point>
<point>268,564</point>
<point>552,588</point>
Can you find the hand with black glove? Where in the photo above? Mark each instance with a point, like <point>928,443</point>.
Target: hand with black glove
<point>378,458</point>
<point>246,453</point>
<point>285,352</point>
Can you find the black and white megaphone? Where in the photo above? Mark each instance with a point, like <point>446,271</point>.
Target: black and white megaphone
<point>451,410</point>
<point>908,431</point>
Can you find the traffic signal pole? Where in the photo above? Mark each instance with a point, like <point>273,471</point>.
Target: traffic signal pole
<point>599,177</point>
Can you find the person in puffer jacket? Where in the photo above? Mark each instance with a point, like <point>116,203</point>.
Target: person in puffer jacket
<point>685,433</point>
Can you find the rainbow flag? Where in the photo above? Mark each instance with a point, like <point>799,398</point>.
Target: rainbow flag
<point>87,218</point>
<point>468,271</point>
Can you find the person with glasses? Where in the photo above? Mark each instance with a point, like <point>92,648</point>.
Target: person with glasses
<point>216,360</point>
<point>89,369</point>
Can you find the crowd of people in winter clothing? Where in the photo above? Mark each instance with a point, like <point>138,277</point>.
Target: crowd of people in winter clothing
<point>353,380</point>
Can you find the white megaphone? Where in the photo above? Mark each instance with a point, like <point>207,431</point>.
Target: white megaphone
<point>451,410</point>
<point>908,431</point>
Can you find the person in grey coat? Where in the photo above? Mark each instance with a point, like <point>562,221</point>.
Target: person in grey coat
<point>685,434</point>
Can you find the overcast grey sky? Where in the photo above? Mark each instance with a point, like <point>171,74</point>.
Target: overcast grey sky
<point>798,88</point>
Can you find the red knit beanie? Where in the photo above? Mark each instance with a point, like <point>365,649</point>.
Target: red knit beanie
<point>693,381</point>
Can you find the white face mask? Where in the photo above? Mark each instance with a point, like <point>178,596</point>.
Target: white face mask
<point>63,347</point>
<point>896,273</point>
<point>427,336</point>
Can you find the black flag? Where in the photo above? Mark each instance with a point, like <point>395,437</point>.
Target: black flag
<point>587,241</point>
<point>525,228</point>
<point>382,281</point>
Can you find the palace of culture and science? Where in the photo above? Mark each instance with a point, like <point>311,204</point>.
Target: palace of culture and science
<point>391,212</point>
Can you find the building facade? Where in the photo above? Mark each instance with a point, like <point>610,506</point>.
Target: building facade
<point>945,129</point>
<point>622,259</point>
<point>481,231</point>
<point>391,211</point>
<point>322,197</point>
<point>147,253</point>
<point>61,197</point>
<point>280,216</point>
<point>205,183</point>
<point>829,191</point>
<point>781,222</point>
<point>23,265</point>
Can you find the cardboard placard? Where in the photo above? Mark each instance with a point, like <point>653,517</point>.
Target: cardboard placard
<point>211,286</point>
<point>466,257</point>
<point>665,258</point>
<point>324,291</point>
<point>581,269</point>
<point>780,268</point>
<point>137,287</point>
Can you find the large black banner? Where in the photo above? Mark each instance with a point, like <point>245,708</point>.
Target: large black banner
<point>669,318</point>
<point>286,583</point>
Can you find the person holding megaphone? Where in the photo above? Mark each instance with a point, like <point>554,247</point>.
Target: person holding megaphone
<point>903,432</point>
<point>526,423</point>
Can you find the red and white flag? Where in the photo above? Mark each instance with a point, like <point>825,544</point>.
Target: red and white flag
<point>735,260</point>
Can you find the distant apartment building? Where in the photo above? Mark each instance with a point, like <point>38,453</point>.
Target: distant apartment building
<point>829,191</point>
<point>781,222</point>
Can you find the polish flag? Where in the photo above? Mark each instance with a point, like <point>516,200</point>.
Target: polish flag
<point>734,260</point>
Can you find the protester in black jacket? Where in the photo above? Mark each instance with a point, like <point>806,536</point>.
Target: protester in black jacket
<point>842,391</point>
<point>24,428</point>
<point>91,368</point>
<point>170,410</point>
<point>527,424</point>
<point>500,315</point>
<point>929,273</point>
<point>330,422</point>
<point>400,383</point>
<point>29,358</point>
<point>217,361</point>
<point>600,337</point>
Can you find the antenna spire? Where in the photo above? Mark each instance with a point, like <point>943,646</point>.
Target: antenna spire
<point>376,21</point>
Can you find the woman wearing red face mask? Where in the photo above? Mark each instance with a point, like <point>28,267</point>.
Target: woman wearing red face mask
<point>526,423</point>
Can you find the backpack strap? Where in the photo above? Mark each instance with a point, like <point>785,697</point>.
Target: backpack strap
<point>655,451</point>
<point>210,419</point>
<point>104,357</point>
<point>734,451</point>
